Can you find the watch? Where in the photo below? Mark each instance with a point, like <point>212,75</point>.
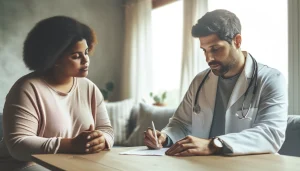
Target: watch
<point>217,144</point>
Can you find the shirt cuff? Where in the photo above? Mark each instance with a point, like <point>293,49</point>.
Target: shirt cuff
<point>226,149</point>
<point>168,142</point>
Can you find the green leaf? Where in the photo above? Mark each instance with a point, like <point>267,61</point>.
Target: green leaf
<point>156,99</point>
<point>164,95</point>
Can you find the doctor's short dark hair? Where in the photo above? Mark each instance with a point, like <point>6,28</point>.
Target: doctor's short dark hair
<point>223,23</point>
<point>51,38</point>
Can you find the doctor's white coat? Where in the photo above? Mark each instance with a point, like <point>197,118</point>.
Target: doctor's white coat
<point>265,133</point>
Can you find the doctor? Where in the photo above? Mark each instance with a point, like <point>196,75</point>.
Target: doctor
<point>235,107</point>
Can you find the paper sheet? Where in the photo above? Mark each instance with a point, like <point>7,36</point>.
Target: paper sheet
<point>145,152</point>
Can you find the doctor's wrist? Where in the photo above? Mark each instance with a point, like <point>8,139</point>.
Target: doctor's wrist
<point>168,141</point>
<point>162,139</point>
<point>215,146</point>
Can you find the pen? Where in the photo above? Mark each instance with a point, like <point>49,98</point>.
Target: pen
<point>153,127</point>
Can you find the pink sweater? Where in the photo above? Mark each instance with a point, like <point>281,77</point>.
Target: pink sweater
<point>36,117</point>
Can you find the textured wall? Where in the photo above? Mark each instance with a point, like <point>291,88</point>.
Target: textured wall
<point>17,17</point>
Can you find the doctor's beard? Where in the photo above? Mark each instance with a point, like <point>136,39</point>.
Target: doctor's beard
<point>223,68</point>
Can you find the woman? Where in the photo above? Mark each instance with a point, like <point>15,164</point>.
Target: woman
<point>55,109</point>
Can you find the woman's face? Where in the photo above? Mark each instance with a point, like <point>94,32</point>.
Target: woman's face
<point>75,63</point>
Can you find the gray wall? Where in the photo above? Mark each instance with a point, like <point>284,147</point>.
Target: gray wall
<point>17,17</point>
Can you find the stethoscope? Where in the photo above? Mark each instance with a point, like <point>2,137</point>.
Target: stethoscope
<point>197,108</point>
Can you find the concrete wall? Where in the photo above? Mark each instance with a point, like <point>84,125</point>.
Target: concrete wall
<point>17,17</point>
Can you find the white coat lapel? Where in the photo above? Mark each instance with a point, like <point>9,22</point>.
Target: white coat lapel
<point>242,83</point>
<point>210,90</point>
<point>202,121</point>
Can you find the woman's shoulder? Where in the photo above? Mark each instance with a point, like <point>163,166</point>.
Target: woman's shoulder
<point>86,85</point>
<point>27,85</point>
<point>27,81</point>
<point>82,81</point>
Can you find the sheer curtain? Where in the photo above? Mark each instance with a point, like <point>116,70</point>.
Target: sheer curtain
<point>294,54</point>
<point>136,76</point>
<point>167,26</point>
<point>193,59</point>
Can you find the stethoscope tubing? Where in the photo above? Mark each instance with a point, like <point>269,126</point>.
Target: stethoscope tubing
<point>254,76</point>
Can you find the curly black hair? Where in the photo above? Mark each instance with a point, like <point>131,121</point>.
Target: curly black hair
<point>52,37</point>
<point>221,22</point>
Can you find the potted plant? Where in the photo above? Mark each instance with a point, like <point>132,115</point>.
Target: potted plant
<point>109,87</point>
<point>159,100</point>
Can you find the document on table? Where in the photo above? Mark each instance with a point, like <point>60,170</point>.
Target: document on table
<point>145,152</point>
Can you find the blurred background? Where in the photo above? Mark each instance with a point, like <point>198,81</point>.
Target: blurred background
<point>145,47</point>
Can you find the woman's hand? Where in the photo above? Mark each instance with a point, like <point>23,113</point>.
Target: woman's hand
<point>96,142</point>
<point>79,143</point>
<point>89,141</point>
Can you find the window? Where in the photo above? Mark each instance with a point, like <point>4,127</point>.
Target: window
<point>166,50</point>
<point>264,29</point>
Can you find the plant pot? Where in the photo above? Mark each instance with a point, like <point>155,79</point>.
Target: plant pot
<point>159,104</point>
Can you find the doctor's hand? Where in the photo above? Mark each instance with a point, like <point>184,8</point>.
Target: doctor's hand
<point>149,139</point>
<point>190,146</point>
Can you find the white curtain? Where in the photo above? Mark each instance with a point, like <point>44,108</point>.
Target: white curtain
<point>294,55</point>
<point>193,59</point>
<point>136,80</point>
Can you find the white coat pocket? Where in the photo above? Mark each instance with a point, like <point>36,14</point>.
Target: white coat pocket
<point>244,119</point>
<point>201,124</point>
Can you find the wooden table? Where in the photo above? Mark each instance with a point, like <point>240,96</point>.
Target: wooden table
<point>111,160</point>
